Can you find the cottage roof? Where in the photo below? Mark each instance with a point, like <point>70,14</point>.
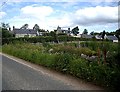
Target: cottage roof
<point>112,38</point>
<point>25,31</point>
<point>87,36</point>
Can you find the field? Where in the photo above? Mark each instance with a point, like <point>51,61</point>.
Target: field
<point>93,61</point>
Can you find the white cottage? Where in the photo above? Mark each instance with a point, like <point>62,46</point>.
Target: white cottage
<point>112,38</point>
<point>25,33</point>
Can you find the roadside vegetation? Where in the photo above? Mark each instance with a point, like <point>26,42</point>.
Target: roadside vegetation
<point>93,61</point>
<point>97,61</point>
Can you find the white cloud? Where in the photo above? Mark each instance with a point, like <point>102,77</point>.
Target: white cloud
<point>63,22</point>
<point>2,14</point>
<point>95,18</point>
<point>41,15</point>
<point>37,11</point>
<point>96,15</point>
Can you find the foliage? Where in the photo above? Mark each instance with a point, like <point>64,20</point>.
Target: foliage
<point>73,50</point>
<point>66,62</point>
<point>85,31</point>
<point>5,25</point>
<point>25,26</point>
<point>36,27</point>
<point>5,33</point>
<point>59,34</point>
<point>75,30</point>
<point>118,33</point>
<point>111,49</point>
<point>92,33</point>
<point>41,30</point>
<point>40,39</point>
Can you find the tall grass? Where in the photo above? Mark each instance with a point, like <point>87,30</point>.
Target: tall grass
<point>66,62</point>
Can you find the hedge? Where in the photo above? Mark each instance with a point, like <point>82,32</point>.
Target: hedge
<point>40,39</point>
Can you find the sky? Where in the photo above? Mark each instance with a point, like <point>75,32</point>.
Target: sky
<point>95,15</point>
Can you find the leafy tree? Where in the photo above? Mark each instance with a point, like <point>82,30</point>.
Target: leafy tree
<point>75,30</point>
<point>95,33</point>
<point>85,31</point>
<point>54,35</point>
<point>47,31</point>
<point>110,33</point>
<point>117,32</point>
<point>36,27</point>
<point>41,30</point>
<point>92,33</point>
<point>5,33</point>
<point>55,31</point>
<point>25,26</point>
<point>5,26</point>
<point>103,34</point>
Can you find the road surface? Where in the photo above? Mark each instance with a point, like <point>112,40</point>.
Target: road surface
<point>18,74</point>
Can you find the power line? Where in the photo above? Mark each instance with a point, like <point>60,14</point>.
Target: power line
<point>3,3</point>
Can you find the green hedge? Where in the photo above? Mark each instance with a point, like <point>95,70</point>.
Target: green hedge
<point>60,38</point>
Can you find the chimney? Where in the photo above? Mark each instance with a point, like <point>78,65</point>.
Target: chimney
<point>13,27</point>
<point>69,29</point>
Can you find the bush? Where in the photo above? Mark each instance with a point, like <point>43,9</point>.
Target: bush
<point>65,61</point>
<point>73,50</point>
<point>62,61</point>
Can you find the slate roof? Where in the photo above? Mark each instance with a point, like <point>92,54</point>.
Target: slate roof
<point>112,38</point>
<point>24,31</point>
<point>86,36</point>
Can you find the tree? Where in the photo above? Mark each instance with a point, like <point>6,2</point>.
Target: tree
<point>96,33</point>
<point>54,35</point>
<point>117,32</point>
<point>85,31</point>
<point>41,30</point>
<point>5,26</point>
<point>92,33</point>
<point>25,26</point>
<point>5,33</point>
<point>75,30</point>
<point>103,34</point>
<point>36,27</point>
<point>4,30</point>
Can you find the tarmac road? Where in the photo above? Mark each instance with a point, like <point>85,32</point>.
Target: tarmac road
<point>18,74</point>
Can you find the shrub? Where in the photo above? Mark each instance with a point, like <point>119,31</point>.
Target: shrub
<point>73,50</point>
<point>62,61</point>
<point>66,61</point>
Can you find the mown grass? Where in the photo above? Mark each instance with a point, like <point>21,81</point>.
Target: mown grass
<point>65,60</point>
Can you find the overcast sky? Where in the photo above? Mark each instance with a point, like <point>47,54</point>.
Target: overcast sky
<point>97,15</point>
